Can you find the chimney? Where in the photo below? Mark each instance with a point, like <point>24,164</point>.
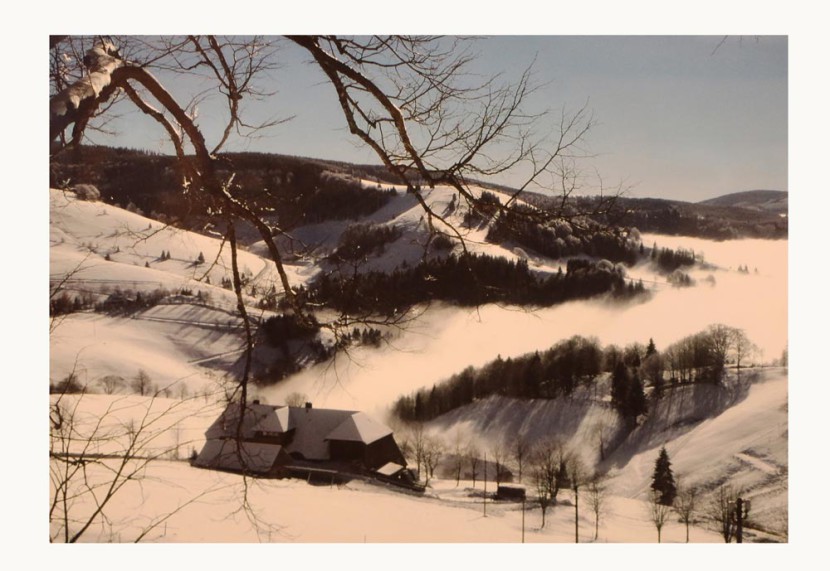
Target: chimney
<point>308,406</point>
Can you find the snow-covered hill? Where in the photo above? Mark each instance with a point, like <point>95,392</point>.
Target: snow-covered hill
<point>739,437</point>
<point>735,433</point>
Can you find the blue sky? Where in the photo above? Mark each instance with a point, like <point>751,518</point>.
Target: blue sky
<point>682,117</point>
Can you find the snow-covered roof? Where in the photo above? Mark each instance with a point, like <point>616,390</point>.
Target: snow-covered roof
<point>254,457</point>
<point>359,427</point>
<point>313,425</point>
<point>275,421</point>
<point>258,418</point>
<point>389,469</point>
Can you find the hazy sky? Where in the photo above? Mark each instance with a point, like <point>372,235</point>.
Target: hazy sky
<point>676,116</point>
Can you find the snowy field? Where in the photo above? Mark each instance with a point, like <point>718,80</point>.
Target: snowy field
<point>294,511</point>
<point>748,441</point>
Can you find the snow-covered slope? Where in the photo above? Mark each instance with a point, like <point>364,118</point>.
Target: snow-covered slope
<point>83,234</point>
<point>315,241</point>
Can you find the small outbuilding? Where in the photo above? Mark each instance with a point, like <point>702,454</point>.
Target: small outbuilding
<point>511,492</point>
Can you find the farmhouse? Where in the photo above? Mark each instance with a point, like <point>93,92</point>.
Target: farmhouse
<point>281,440</point>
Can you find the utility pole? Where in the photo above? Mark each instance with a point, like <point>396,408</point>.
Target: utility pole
<point>741,512</point>
<point>738,512</point>
<point>485,484</point>
<point>576,507</point>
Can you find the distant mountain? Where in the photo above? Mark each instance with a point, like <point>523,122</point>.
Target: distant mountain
<point>761,200</point>
<point>677,218</point>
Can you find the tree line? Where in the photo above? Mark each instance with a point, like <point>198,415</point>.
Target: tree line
<point>361,240</point>
<point>579,361</point>
<point>669,260</point>
<point>299,191</point>
<point>560,238</point>
<point>659,216</point>
<point>703,356</point>
<point>464,280</point>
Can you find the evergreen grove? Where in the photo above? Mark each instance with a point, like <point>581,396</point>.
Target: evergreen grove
<point>558,371</point>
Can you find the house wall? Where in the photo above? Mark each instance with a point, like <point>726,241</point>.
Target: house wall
<point>382,451</point>
<point>347,451</point>
<point>371,456</point>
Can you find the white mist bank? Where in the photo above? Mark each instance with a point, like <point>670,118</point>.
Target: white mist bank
<point>447,339</point>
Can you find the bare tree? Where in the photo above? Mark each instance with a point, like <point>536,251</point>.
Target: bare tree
<point>458,457</point>
<point>433,449</point>
<point>111,383</point>
<point>600,431</point>
<point>500,454</point>
<point>419,446</point>
<point>721,511</point>
<point>296,399</point>
<point>98,457</point>
<point>685,504</point>
<point>652,368</point>
<point>659,513</point>
<point>721,340</point>
<point>520,451</point>
<point>473,460</point>
<point>596,500</point>
<point>409,99</point>
<point>577,474</point>
<point>743,348</point>
<point>548,468</point>
<point>142,383</point>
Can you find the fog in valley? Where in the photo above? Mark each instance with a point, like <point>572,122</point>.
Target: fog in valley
<point>445,340</point>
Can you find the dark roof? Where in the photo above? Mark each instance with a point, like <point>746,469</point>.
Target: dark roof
<point>254,457</point>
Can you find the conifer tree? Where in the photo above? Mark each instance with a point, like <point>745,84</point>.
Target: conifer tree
<point>635,404</point>
<point>663,480</point>
<point>619,382</point>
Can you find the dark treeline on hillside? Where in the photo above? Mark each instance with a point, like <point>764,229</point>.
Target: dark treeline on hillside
<point>669,260</point>
<point>560,239</point>
<point>548,374</point>
<point>299,344</point>
<point>677,218</point>
<point>360,240</point>
<point>465,280</point>
<point>122,301</point>
<point>578,361</point>
<point>299,191</point>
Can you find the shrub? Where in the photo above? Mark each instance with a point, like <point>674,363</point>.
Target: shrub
<point>87,192</point>
<point>442,242</point>
<point>362,240</point>
<point>282,328</point>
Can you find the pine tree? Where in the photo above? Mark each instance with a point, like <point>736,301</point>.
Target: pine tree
<point>663,480</point>
<point>651,349</point>
<point>619,384</point>
<point>635,404</point>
